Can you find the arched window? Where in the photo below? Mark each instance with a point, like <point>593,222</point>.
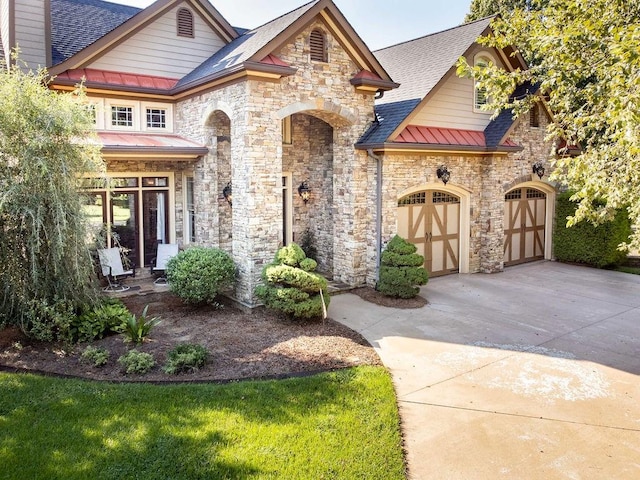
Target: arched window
<point>480,94</point>
<point>185,23</point>
<point>317,46</point>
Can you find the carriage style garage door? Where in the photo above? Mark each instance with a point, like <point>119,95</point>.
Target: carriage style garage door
<point>524,222</point>
<point>431,221</point>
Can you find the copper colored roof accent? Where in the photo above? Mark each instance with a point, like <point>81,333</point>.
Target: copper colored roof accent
<point>445,136</point>
<point>367,75</point>
<point>150,142</point>
<point>106,77</point>
<point>273,60</point>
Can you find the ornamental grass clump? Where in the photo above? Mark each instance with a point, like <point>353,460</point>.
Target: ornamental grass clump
<point>198,274</point>
<point>401,270</point>
<point>292,287</point>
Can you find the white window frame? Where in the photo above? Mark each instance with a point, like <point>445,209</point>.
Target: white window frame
<point>167,107</point>
<point>135,115</point>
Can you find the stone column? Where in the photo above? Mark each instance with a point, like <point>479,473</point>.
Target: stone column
<point>491,217</point>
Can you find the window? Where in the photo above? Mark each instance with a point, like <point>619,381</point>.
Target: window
<point>534,116</point>
<point>287,139</point>
<point>480,93</point>
<point>156,118</point>
<point>317,46</point>
<point>122,116</point>
<point>185,23</point>
<point>190,214</point>
<point>93,112</point>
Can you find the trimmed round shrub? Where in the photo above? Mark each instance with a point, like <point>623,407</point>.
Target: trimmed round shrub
<point>401,270</point>
<point>186,357</point>
<point>292,287</point>
<point>198,274</point>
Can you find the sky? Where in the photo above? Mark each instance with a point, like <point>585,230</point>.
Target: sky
<point>380,23</point>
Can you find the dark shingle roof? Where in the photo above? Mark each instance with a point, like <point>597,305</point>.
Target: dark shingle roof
<point>244,47</point>
<point>388,117</point>
<point>418,65</point>
<point>499,126</point>
<point>76,24</point>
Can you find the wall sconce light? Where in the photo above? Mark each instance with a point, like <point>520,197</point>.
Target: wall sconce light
<point>227,193</point>
<point>304,191</point>
<point>443,174</point>
<point>538,169</point>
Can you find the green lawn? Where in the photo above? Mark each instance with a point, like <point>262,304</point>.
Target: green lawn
<point>339,425</point>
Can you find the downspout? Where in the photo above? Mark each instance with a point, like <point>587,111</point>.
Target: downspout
<point>378,211</point>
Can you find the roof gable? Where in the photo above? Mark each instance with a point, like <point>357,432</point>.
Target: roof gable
<point>110,25</point>
<point>261,43</point>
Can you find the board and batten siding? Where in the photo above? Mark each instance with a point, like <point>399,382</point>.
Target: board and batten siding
<point>451,106</point>
<point>29,31</point>
<point>158,50</point>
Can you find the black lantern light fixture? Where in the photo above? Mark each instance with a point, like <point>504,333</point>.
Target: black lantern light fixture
<point>443,174</point>
<point>227,193</point>
<point>538,169</point>
<point>304,191</point>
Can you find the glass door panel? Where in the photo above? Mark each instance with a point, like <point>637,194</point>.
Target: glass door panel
<point>94,208</point>
<point>124,223</point>
<point>155,216</point>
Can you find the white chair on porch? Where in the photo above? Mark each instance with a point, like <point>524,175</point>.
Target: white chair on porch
<point>113,269</point>
<point>165,252</point>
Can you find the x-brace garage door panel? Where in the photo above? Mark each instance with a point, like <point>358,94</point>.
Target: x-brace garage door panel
<point>431,221</point>
<point>524,220</point>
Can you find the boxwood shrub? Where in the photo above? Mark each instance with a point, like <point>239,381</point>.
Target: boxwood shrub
<point>198,274</point>
<point>401,270</point>
<point>585,243</point>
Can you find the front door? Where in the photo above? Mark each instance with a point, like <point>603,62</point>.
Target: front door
<point>431,221</point>
<point>524,220</point>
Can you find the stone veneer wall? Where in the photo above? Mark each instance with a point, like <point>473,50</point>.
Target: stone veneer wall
<point>255,109</point>
<point>487,178</point>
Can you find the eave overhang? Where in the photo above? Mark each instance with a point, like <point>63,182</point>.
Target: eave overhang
<point>395,147</point>
<point>151,146</point>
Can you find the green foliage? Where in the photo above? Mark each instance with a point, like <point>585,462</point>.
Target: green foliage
<point>198,274</point>
<point>186,358</point>
<point>586,243</point>
<point>136,329</point>
<point>49,321</point>
<point>291,286</point>
<point>98,357</point>
<point>110,315</point>
<point>585,56</point>
<point>308,244</point>
<point>43,255</point>
<point>401,269</point>
<point>486,8</point>
<point>136,362</point>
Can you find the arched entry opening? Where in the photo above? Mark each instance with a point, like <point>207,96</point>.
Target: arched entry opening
<point>436,222</point>
<point>215,175</point>
<point>527,223</point>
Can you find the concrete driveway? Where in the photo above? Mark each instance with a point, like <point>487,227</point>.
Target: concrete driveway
<point>527,374</point>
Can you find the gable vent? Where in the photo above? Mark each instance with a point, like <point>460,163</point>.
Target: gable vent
<point>317,46</point>
<point>185,23</point>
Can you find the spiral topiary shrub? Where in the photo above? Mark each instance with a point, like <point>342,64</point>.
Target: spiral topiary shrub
<point>401,270</point>
<point>291,286</point>
<point>198,274</point>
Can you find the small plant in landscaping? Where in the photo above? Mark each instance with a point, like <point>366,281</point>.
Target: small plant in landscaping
<point>136,362</point>
<point>136,329</point>
<point>185,358</point>
<point>105,317</point>
<point>292,287</point>
<point>308,244</point>
<point>401,269</point>
<point>96,356</point>
<point>197,274</point>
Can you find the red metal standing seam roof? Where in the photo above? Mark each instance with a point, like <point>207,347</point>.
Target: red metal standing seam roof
<point>445,136</point>
<point>119,139</point>
<point>92,75</point>
<point>273,60</point>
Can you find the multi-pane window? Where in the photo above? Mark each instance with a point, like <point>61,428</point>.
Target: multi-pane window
<point>121,116</point>
<point>156,118</point>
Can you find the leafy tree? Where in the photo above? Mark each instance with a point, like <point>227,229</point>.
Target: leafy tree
<point>45,265</point>
<point>485,8</point>
<point>585,58</point>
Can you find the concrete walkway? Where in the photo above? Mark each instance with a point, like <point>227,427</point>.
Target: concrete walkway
<point>527,374</point>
